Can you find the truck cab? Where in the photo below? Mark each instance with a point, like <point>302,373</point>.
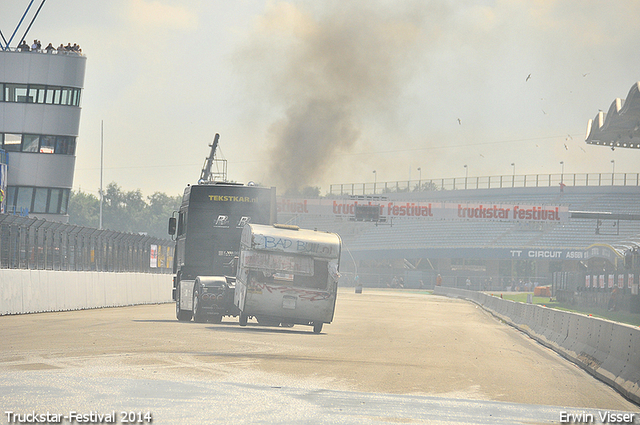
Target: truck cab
<point>207,231</point>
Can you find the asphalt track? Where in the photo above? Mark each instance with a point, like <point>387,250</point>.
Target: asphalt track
<point>388,357</point>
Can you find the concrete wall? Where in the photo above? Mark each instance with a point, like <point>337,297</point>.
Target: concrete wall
<point>34,291</point>
<point>608,350</point>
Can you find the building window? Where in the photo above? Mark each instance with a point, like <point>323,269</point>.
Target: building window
<point>15,93</point>
<point>11,196</point>
<point>39,93</point>
<point>57,92</point>
<point>36,93</point>
<point>65,145</point>
<point>38,199</point>
<point>31,143</point>
<point>12,142</point>
<point>24,197</point>
<point>48,98</point>
<point>66,96</point>
<point>48,144</point>
<point>54,201</point>
<point>65,201</point>
<point>76,97</point>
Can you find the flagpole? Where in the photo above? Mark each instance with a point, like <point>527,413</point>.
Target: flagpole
<point>101,167</point>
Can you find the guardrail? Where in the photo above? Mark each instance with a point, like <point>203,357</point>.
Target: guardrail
<point>37,244</point>
<point>605,349</point>
<point>488,182</point>
<point>36,291</point>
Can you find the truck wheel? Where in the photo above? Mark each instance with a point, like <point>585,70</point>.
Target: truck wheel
<point>243,319</point>
<point>217,318</point>
<point>182,315</point>
<point>317,327</point>
<point>198,317</point>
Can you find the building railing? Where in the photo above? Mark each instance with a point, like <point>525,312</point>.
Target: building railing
<point>30,243</point>
<point>489,182</point>
<point>43,50</point>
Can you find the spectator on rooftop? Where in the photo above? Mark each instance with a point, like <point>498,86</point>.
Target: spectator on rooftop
<point>24,47</point>
<point>49,48</point>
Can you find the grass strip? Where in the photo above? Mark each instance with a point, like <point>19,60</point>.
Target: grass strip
<point>615,316</point>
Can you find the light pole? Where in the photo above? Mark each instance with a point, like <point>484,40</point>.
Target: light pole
<point>101,170</point>
<point>613,170</point>
<point>562,172</point>
<point>420,180</point>
<point>466,174</point>
<point>513,179</point>
<point>375,180</point>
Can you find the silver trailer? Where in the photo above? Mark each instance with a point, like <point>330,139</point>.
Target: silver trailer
<point>287,276</point>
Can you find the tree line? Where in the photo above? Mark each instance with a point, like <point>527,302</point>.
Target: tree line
<point>124,211</point>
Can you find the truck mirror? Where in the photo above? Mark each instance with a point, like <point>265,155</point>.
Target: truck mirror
<point>172,225</point>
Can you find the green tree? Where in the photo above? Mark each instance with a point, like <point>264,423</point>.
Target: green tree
<point>159,209</point>
<point>124,211</point>
<point>83,209</point>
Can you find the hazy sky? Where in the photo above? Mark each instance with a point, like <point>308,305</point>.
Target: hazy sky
<point>316,92</point>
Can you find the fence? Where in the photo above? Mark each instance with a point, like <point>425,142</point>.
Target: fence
<point>29,243</point>
<point>489,182</point>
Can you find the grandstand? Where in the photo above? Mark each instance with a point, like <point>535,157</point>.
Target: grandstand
<point>587,240</point>
<point>596,226</point>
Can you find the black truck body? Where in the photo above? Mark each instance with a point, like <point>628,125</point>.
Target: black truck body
<point>207,232</point>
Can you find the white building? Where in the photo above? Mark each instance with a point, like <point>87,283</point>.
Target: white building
<point>39,119</point>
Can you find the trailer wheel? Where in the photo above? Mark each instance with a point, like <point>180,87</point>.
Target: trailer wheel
<point>317,327</point>
<point>243,319</point>
<point>197,314</point>
<point>182,315</point>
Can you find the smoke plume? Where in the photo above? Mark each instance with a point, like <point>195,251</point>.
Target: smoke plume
<point>323,71</point>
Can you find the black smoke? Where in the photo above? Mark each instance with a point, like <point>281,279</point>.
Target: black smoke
<point>326,71</point>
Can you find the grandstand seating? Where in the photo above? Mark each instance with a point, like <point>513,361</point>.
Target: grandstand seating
<point>412,233</point>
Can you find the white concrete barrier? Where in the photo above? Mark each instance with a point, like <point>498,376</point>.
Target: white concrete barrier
<point>608,350</point>
<point>34,291</point>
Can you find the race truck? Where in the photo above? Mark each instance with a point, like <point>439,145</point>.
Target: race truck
<point>207,231</point>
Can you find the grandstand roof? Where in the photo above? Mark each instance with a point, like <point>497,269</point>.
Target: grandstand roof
<point>620,127</point>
